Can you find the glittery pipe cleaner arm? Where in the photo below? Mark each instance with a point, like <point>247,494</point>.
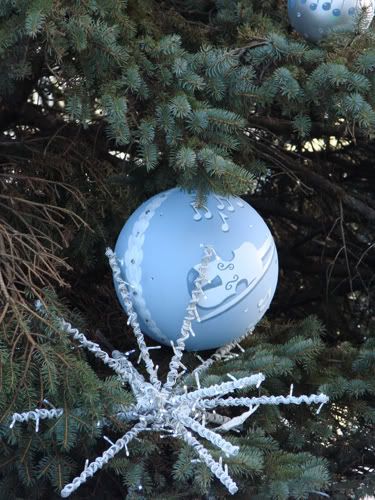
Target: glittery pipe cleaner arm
<point>234,422</point>
<point>36,415</point>
<point>98,463</point>
<point>211,436</point>
<point>131,413</point>
<point>219,354</point>
<point>136,380</point>
<point>215,467</point>
<point>263,400</point>
<point>221,389</point>
<point>132,315</point>
<point>186,328</point>
<point>124,372</point>
<point>216,418</point>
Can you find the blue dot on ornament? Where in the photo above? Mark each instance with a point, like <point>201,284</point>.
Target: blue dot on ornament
<point>315,20</point>
<point>159,257</point>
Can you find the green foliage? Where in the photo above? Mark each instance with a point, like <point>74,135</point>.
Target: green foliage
<point>51,371</point>
<point>302,125</point>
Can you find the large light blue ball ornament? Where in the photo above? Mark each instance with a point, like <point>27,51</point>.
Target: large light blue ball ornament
<point>315,19</point>
<point>160,249</point>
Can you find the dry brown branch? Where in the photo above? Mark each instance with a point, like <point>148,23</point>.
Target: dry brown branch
<point>37,220</point>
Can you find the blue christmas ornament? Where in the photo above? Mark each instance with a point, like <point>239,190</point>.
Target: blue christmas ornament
<point>315,19</point>
<point>159,250</point>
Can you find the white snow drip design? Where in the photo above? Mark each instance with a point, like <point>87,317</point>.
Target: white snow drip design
<point>133,263</point>
<point>224,203</point>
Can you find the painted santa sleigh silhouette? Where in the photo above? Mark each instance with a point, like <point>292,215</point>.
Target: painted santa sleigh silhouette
<point>228,282</point>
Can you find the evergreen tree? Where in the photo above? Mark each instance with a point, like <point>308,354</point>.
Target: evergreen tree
<point>106,102</point>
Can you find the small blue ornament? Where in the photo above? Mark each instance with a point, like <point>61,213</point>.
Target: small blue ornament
<point>315,19</point>
<point>159,250</point>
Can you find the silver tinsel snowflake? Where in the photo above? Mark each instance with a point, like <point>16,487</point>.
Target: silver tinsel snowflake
<point>169,408</point>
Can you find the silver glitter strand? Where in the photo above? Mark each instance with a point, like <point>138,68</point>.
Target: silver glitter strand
<point>211,436</point>
<point>221,389</point>
<point>124,372</point>
<point>135,378</point>
<point>98,463</point>
<point>216,418</point>
<point>264,400</point>
<point>132,317</point>
<point>214,466</point>
<point>36,415</point>
<point>219,354</point>
<point>186,324</point>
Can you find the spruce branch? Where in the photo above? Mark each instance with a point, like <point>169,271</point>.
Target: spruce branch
<point>279,159</point>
